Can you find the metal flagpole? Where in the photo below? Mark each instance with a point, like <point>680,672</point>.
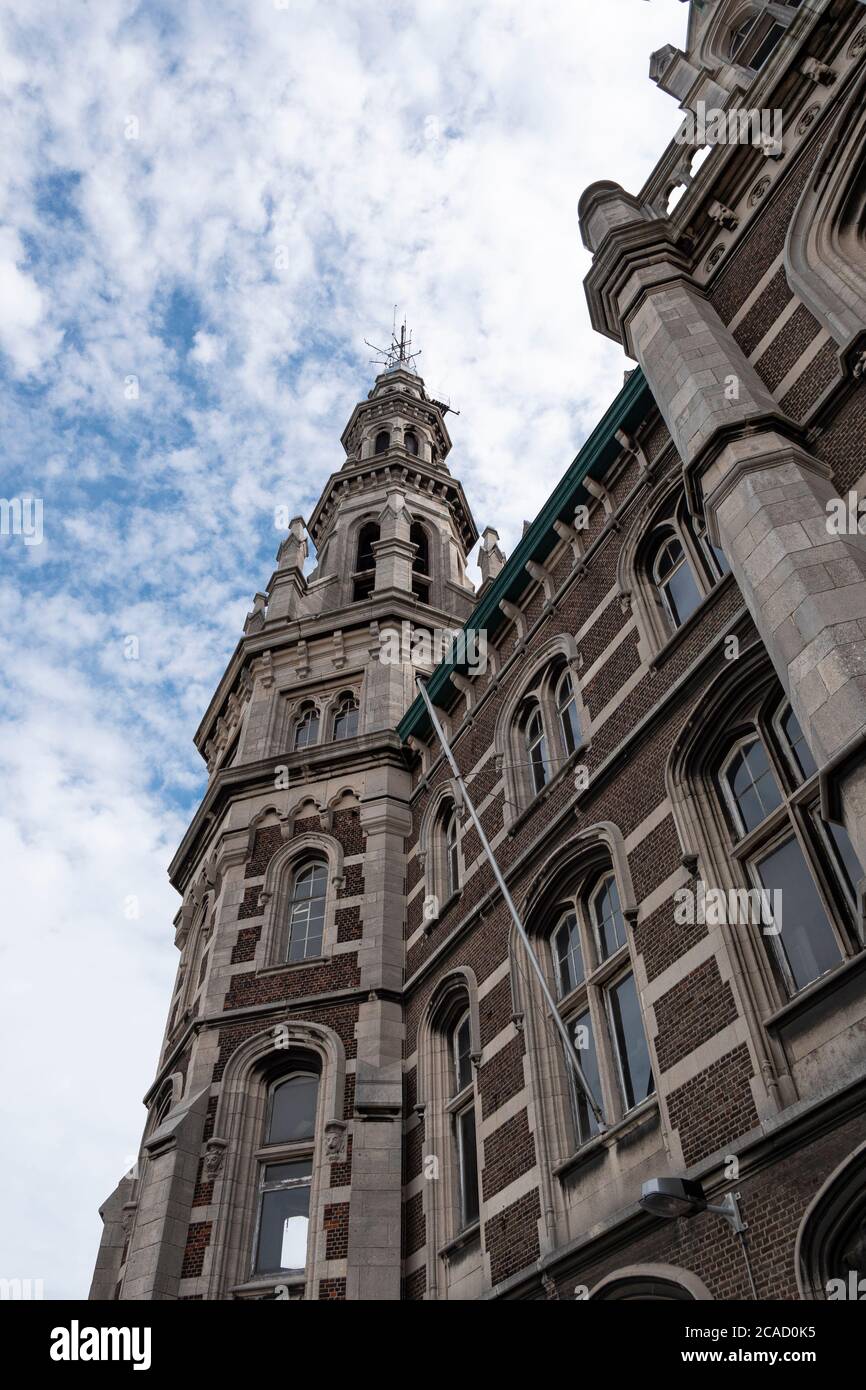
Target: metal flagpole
<point>570,1050</point>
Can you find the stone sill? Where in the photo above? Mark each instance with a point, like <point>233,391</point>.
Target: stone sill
<point>622,1131</point>
<point>825,985</point>
<point>470,1236</point>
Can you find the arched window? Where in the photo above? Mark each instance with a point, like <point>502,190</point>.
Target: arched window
<point>421,562</point>
<point>307,911</point>
<point>463,1117</point>
<point>163,1107</point>
<point>307,727</point>
<point>535,743</point>
<point>569,719</point>
<point>364,576</point>
<point>410,442</point>
<point>755,38</point>
<point>600,1003</point>
<point>675,581</point>
<point>285,1176</point>
<point>383,442</point>
<point>802,869</point>
<point>346,718</point>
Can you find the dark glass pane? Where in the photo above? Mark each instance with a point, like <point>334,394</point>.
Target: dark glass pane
<point>669,559</point>
<point>463,1054</point>
<point>806,938</point>
<point>569,718</point>
<point>418,537</point>
<point>569,954</point>
<point>609,920</point>
<point>410,442</point>
<point>798,745</point>
<point>682,594</point>
<point>468,1167</point>
<point>584,1042</point>
<point>293,1110</point>
<point>754,787</point>
<point>847,855</point>
<point>637,1076</point>
<point>765,48</point>
<point>300,1170</point>
<point>285,1218</point>
<point>383,441</point>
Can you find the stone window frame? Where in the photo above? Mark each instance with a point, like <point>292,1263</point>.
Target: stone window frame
<point>280,1152</point>
<point>281,1048</point>
<point>454,996</point>
<point>356,575</point>
<point>334,707</point>
<point>307,705</point>
<point>642,1281</point>
<point>705,835</point>
<point>664,516</point>
<point>538,685</point>
<point>576,868</point>
<point>714,49</point>
<point>276,897</point>
<point>839,1200</point>
<point>432,847</point>
<point>798,813</point>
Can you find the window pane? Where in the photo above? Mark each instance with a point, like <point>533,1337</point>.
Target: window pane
<point>468,1167</point>
<point>568,716</point>
<point>293,1110</point>
<point>847,856</point>
<point>608,919</point>
<point>277,1174</point>
<point>463,1055</point>
<point>285,1218</point>
<point>797,744</point>
<point>754,787</point>
<point>634,1062</point>
<point>584,1043</point>
<point>683,595</point>
<point>569,955</point>
<point>307,921</point>
<point>806,939</point>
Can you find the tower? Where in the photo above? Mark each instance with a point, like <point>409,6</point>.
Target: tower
<point>271,1158</point>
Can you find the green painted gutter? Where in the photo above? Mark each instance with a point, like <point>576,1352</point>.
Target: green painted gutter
<point>601,448</point>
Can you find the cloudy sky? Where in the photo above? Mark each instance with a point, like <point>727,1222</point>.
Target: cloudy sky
<point>205,208</point>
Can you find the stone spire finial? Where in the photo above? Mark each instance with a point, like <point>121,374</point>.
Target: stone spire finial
<point>292,553</point>
<point>491,558</point>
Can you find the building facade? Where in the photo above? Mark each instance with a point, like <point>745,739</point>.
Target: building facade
<point>360,1092</point>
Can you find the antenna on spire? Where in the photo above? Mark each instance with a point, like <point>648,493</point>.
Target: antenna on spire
<point>399,353</point>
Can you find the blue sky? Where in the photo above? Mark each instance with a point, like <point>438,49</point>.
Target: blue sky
<point>205,210</point>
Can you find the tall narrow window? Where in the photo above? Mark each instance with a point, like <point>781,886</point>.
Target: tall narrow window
<point>569,719</point>
<point>307,913</point>
<point>806,868</point>
<point>607,917</point>
<point>636,1075</point>
<point>675,582</point>
<point>600,1005</point>
<point>421,562</point>
<point>410,442</point>
<point>365,562</point>
<point>307,727</point>
<point>535,742</point>
<point>383,442</point>
<point>452,852</point>
<point>285,1177</point>
<point>346,718</point>
<point>463,1114</point>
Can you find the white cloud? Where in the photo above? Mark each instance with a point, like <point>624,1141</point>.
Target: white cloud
<point>281,177</point>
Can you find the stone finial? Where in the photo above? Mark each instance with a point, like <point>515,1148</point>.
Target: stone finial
<point>292,553</point>
<point>256,617</point>
<point>603,208</point>
<point>671,70</point>
<point>491,558</point>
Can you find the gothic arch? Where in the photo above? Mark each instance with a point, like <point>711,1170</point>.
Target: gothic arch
<point>429,850</point>
<point>650,1282</point>
<point>561,649</point>
<point>837,1206</point>
<point>238,1125</point>
<point>825,248</point>
<point>276,893</point>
